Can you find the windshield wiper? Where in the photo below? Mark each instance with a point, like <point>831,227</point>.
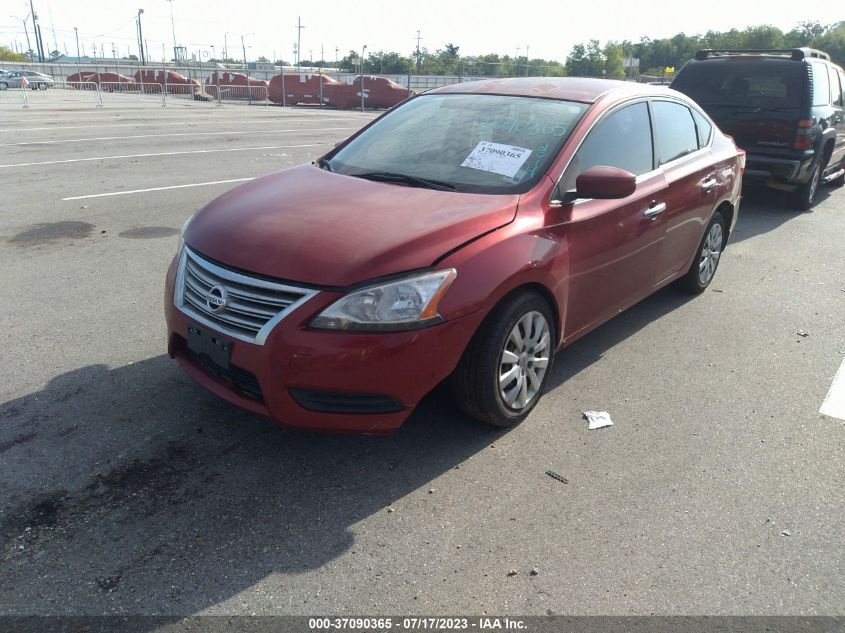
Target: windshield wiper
<point>407,179</point>
<point>324,163</point>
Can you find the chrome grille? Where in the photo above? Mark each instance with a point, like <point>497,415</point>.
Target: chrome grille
<point>249,307</point>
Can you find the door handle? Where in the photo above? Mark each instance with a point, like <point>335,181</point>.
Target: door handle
<point>654,209</point>
<point>708,184</point>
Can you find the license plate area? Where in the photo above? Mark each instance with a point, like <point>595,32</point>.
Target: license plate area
<point>206,343</point>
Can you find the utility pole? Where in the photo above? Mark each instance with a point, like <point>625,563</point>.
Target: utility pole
<point>336,51</point>
<point>526,59</point>
<point>37,33</point>
<point>419,60</point>
<point>141,39</point>
<point>225,46</point>
<point>299,28</point>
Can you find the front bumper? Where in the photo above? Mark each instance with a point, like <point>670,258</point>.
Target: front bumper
<point>360,373</point>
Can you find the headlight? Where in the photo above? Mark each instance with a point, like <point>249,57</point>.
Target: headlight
<point>182,236</point>
<point>405,304</point>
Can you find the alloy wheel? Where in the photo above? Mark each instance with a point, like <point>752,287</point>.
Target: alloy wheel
<point>524,361</point>
<point>710,253</point>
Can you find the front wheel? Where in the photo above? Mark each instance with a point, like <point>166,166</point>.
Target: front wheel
<point>709,252</point>
<point>3,85</point>
<point>42,86</point>
<point>501,375</point>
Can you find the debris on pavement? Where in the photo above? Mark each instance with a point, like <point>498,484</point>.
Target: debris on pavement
<point>554,475</point>
<point>534,571</point>
<point>802,333</point>
<point>786,533</point>
<point>597,419</point>
<point>512,572</point>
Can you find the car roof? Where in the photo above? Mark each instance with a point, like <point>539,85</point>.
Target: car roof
<point>580,89</point>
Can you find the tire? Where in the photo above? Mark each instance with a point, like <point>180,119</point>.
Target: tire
<point>495,352</point>
<point>42,86</point>
<point>3,85</point>
<point>803,197</point>
<point>707,257</point>
<point>839,180</point>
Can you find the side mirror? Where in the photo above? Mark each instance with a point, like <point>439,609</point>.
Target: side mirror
<point>605,182</point>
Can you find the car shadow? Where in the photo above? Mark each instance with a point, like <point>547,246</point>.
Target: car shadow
<point>763,210</point>
<point>575,358</point>
<point>134,482</point>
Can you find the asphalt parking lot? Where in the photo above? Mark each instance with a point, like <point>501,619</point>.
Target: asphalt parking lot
<point>126,488</point>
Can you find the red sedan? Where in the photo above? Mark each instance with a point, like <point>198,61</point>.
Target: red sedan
<point>466,235</point>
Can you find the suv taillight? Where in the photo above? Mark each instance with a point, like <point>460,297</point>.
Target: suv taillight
<point>740,155</point>
<point>803,138</point>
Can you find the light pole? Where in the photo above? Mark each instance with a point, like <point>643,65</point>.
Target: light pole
<point>78,74</point>
<point>526,59</point>
<point>173,29</point>
<point>363,50</point>
<point>299,28</point>
<point>26,32</point>
<point>246,69</point>
<point>141,39</point>
<point>225,46</point>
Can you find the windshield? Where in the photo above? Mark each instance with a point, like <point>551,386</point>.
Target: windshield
<point>466,142</point>
<point>776,83</point>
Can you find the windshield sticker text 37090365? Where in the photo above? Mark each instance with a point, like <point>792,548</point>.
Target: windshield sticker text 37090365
<point>497,158</point>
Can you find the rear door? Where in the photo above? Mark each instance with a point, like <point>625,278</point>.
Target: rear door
<point>684,156</point>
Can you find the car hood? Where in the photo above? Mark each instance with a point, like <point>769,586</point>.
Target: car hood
<point>312,226</point>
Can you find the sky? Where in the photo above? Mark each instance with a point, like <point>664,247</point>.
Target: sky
<point>543,28</point>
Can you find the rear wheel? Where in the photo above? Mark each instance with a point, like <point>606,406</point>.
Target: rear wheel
<point>501,375</point>
<point>42,86</point>
<point>803,197</point>
<point>703,267</point>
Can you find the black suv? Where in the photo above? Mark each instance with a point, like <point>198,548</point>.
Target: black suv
<point>783,107</point>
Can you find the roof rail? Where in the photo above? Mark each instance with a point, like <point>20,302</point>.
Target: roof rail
<point>794,53</point>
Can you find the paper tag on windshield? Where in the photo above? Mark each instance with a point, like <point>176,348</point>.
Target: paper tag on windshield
<point>497,158</point>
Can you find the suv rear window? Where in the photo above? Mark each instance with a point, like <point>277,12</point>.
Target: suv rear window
<point>771,82</point>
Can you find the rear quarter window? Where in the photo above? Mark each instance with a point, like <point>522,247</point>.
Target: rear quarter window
<point>821,85</point>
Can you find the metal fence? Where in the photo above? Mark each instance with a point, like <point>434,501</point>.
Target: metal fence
<point>111,93</point>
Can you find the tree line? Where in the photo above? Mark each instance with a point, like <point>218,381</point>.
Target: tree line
<point>590,59</point>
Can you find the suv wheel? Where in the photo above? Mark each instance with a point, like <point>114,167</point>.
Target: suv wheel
<point>504,369</point>
<point>3,85</point>
<point>803,197</point>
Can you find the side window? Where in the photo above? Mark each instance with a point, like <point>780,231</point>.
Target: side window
<point>703,127</point>
<point>836,86</point>
<point>821,85</point>
<point>622,139</point>
<point>675,131</point>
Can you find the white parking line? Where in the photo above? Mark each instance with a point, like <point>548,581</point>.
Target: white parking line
<point>117,138</point>
<point>193,151</point>
<point>124,193</point>
<point>834,403</point>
